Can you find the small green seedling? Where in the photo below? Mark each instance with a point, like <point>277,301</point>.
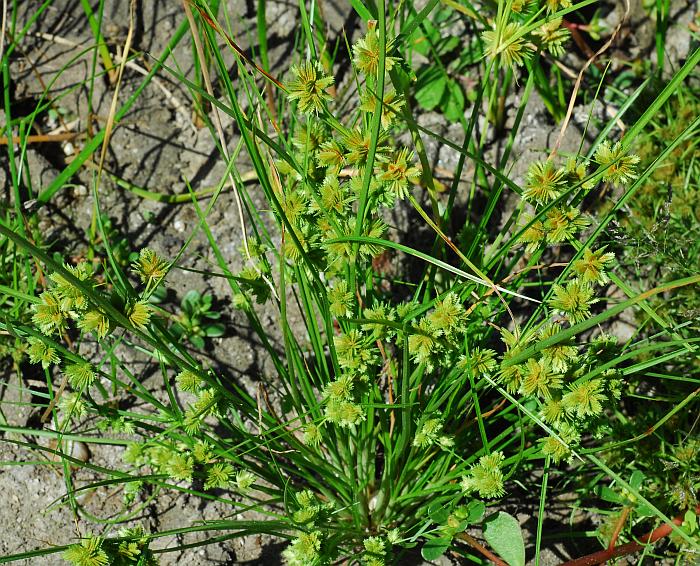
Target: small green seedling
<point>194,322</point>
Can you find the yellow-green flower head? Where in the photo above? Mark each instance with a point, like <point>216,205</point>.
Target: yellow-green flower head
<point>244,481</point>
<point>554,5</point>
<point>304,550</point>
<point>539,379</point>
<point>534,235</point>
<point>150,267</point>
<point>340,388</point>
<point>72,298</point>
<point>139,314</point>
<point>188,381</point>
<point>399,173</point>
<point>308,87</point>
<point>555,448</point>
<point>553,35</point>
<point>88,553</point>
<point>591,267</point>
<point>366,52</point>
<point>585,399</point>
<point>486,477</point>
<point>80,375</point>
<point>218,476</point>
<point>620,169</point>
<point>574,300</point>
<point>428,433</point>
<point>562,223</point>
<point>312,435</point>
<point>545,182</point>
<point>95,321</point>
<point>508,44</point>
<point>374,545</point>
<point>42,353</point>
<point>180,466</point>
<point>448,317</point>
<point>49,316</point>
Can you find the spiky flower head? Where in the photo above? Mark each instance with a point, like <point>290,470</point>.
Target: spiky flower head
<point>340,388</point>
<point>344,413</point>
<point>304,550</point>
<point>72,298</point>
<point>428,433</point>
<point>331,155</point>
<point>391,106</point>
<point>448,317</point>
<point>552,411</point>
<point>534,234</point>
<point>308,87</point>
<point>539,379</point>
<point>40,352</point>
<point>180,466</point>
<point>88,553</point>
<point>340,299</point>
<point>312,435</point>
<point>486,477</point>
<point>380,312</point>
<point>357,142</point>
<point>374,545</point>
<point>334,196</point>
<point>480,361</point>
<point>620,168</point>
<point>399,173</point>
<point>80,375</point>
<point>202,453</point>
<point>560,355</point>
<point>563,223</point>
<point>188,381</point>
<point>507,43</point>
<point>585,399</point>
<point>555,5</point>
<point>574,300</point>
<point>555,448</point>
<point>244,480</point>
<point>150,267</point>
<point>422,343</point>
<point>49,316</point>
<point>591,267</point>
<point>545,182</point>
<point>72,404</point>
<point>218,476</point>
<point>95,321</point>
<point>139,314</point>
<point>552,36</point>
<point>366,52</point>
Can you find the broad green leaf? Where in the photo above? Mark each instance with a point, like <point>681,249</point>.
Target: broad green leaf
<point>452,103</point>
<point>431,88</point>
<point>503,533</point>
<point>435,548</point>
<point>636,479</point>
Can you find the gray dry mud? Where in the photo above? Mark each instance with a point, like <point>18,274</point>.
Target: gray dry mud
<point>157,146</point>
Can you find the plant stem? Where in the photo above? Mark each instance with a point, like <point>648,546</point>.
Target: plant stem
<point>623,550</point>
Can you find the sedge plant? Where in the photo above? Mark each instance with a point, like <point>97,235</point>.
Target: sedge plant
<point>403,407</point>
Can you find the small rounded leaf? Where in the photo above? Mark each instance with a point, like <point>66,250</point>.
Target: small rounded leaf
<point>435,548</point>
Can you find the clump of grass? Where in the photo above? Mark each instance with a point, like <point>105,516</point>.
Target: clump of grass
<point>409,406</point>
